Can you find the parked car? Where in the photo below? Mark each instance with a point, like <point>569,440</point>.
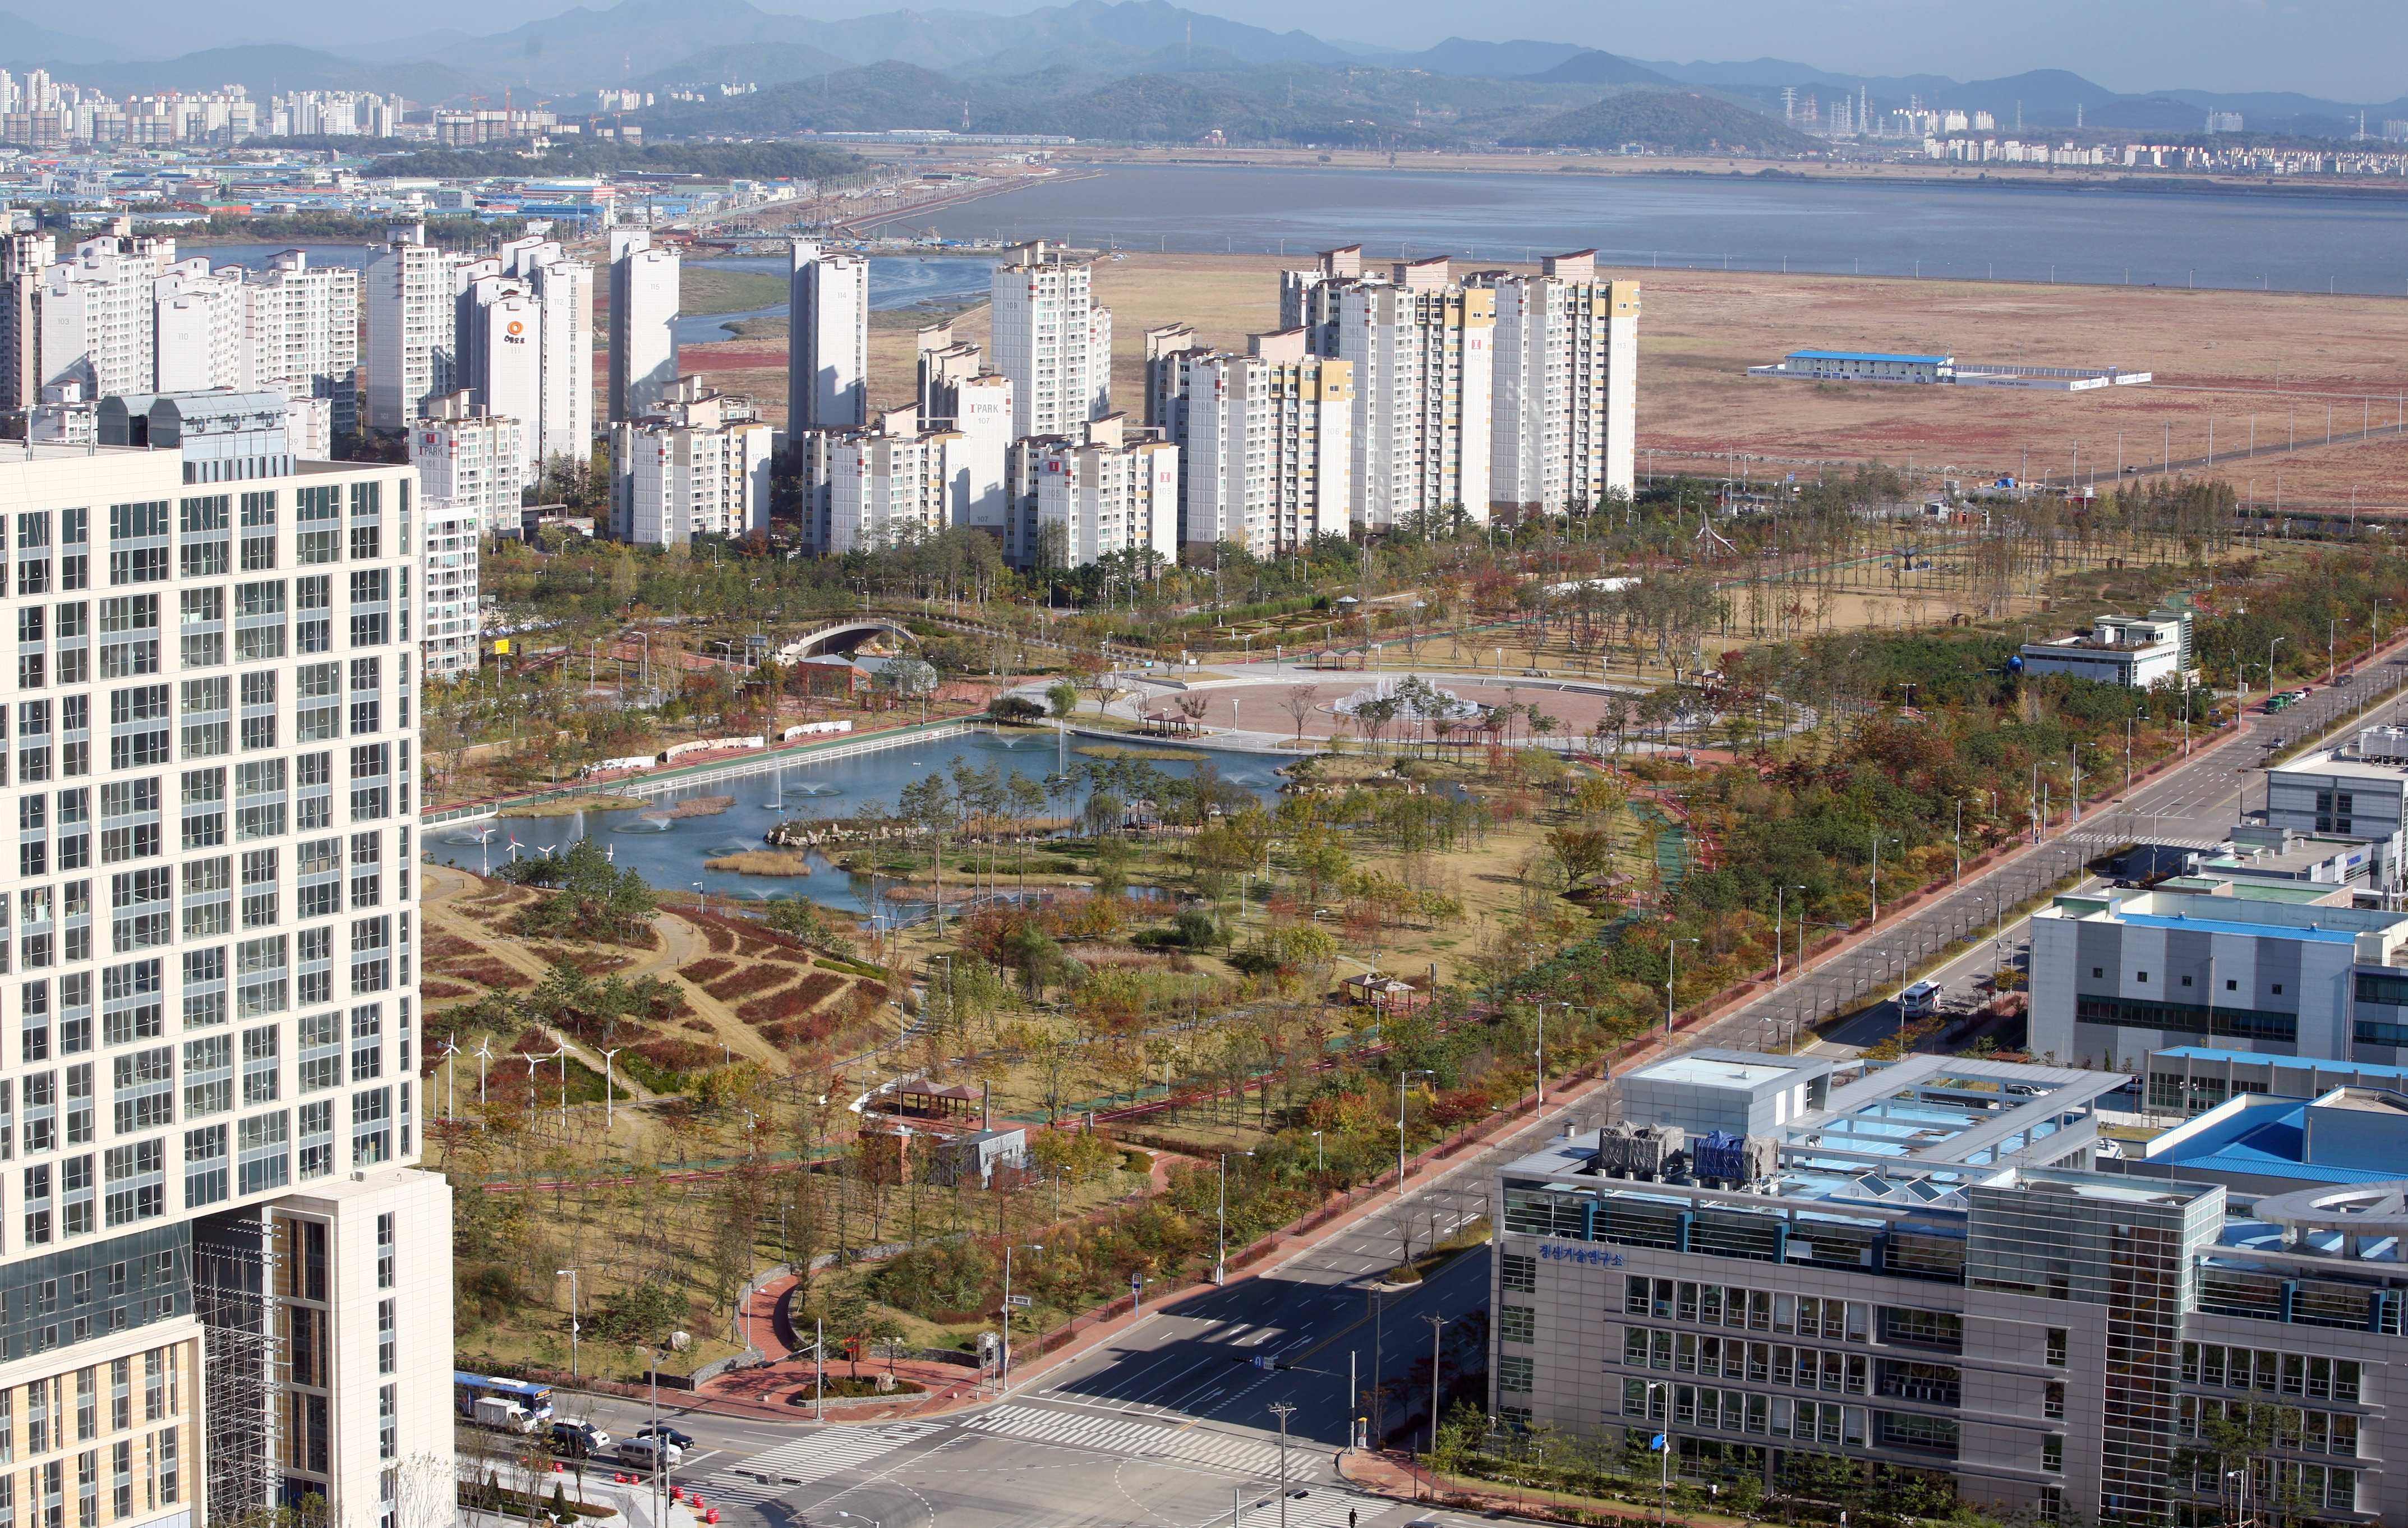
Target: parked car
<point>579,1439</point>
<point>647,1454</point>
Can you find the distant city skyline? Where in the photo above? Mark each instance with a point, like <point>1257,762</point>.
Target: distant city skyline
<point>2343,50</point>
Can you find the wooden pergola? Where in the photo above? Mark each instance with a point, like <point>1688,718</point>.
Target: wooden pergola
<point>936,1103</point>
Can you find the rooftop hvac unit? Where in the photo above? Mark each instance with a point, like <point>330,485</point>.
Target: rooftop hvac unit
<point>1725,1157</point>
<point>1639,1150</point>
<point>2384,745</point>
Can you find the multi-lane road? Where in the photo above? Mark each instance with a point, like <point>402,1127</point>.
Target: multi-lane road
<point>1170,1425</point>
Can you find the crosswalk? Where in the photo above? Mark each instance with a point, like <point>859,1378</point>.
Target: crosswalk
<point>765,1477</point>
<point>1142,1440</point>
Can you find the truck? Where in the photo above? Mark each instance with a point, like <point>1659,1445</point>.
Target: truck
<point>502,1415</point>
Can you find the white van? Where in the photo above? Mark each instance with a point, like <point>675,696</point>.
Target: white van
<point>1920,1001</point>
<point>640,1453</point>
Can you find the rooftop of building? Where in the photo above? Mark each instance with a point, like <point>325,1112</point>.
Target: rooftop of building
<point>1872,355</point>
<point>1728,1068</point>
<point>2376,754</point>
<point>2377,933</point>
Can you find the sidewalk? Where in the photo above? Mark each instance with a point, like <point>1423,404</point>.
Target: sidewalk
<point>1395,1474</point>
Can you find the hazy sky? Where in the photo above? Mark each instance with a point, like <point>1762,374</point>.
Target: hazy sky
<point>2348,50</point>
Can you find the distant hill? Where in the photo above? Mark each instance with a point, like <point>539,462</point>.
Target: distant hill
<point>1593,68</point>
<point>587,156</point>
<point>270,68</point>
<point>758,62</point>
<point>1485,59</point>
<point>1667,122</point>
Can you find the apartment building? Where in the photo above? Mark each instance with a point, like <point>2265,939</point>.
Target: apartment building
<point>1266,443</point>
<point>525,341</point>
<point>2120,974</point>
<point>1564,414</point>
<point>1905,1271</point>
<point>200,338</point>
<point>643,323</point>
<point>944,365</point>
<point>698,468</point>
<point>96,321</point>
<point>302,334</point>
<point>334,114</point>
<point>863,488</point>
<point>1052,339</point>
<point>1420,344</point>
<point>1107,492</point>
<point>248,1188</point>
<point>413,327</point>
<point>472,470</point>
<point>827,348</point>
<point>24,258</point>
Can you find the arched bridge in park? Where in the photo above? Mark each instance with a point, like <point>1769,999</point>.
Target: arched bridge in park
<point>842,637</point>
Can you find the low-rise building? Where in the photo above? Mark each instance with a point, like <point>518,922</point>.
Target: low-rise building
<point>2135,652</point>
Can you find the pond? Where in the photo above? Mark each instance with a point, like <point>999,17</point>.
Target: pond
<point>670,852</point>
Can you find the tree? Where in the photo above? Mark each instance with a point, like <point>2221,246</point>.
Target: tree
<point>1583,853</point>
<point>1062,697</point>
<point>1298,703</point>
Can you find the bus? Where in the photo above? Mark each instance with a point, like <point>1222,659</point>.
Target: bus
<point>468,1389</point>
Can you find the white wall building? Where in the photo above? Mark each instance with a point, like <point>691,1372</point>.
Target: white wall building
<point>334,114</point>
<point>644,303</point>
<point>229,994</point>
<point>978,459</point>
<point>698,468</point>
<point>2135,652</point>
<point>827,348</point>
<point>303,338</point>
<point>96,320</point>
<point>1420,344</point>
<point>472,469</point>
<point>1564,412</point>
<point>1102,495</point>
<point>1266,443</point>
<point>413,304</point>
<point>1049,337</point>
<point>201,340</point>
<point>525,328</point>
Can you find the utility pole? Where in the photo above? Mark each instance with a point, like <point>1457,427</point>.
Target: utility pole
<point>1283,1412</point>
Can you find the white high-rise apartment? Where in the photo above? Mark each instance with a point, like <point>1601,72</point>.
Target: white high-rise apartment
<point>215,639</point>
<point>945,364</point>
<point>827,344</point>
<point>96,320</point>
<point>1098,495</point>
<point>334,114</point>
<point>1420,346</point>
<point>304,332</point>
<point>1564,416</point>
<point>1266,443</point>
<point>525,330</point>
<point>643,323</point>
<point>698,467</point>
<point>200,341</point>
<point>1049,337</point>
<point>977,460</point>
<point>867,489</point>
<point>472,467</point>
<point>413,304</point>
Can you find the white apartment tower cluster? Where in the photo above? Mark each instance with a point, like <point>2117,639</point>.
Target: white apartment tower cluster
<point>215,638</point>
<point>1266,442</point>
<point>698,467</point>
<point>414,312</point>
<point>643,323</point>
<point>1052,340</point>
<point>1103,493</point>
<point>1499,394</point>
<point>525,341</point>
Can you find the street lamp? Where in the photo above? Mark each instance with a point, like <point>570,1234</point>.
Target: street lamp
<point>1402,1077</point>
<point>676,1344</point>
<point>1779,893</point>
<point>1672,966</point>
<point>1221,1249</point>
<point>2270,668</point>
<point>1879,839</point>
<point>1663,1444</point>
<point>1003,1361</point>
<point>570,1274</point>
<point>1320,1156</point>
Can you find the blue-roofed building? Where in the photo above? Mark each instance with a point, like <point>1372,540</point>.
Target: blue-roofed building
<point>2120,974</point>
<point>1861,366</point>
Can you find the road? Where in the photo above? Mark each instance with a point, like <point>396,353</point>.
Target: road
<point>1170,1425</point>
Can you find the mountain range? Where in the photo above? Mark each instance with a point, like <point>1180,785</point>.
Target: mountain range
<point>976,66</point>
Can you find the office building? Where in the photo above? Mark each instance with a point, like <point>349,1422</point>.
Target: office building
<point>472,469</point>
<point>1916,1276</point>
<point>697,469</point>
<point>2357,793</point>
<point>1265,444</point>
<point>219,644</point>
<point>302,333</point>
<point>525,328</point>
<point>1051,338</point>
<point>2119,973</point>
<point>1109,491</point>
<point>1420,346</point>
<point>413,325</point>
<point>2135,652</point>
<point>96,323</point>
<point>24,258</point>
<point>827,348</point>
<point>1564,414</point>
<point>643,323</point>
